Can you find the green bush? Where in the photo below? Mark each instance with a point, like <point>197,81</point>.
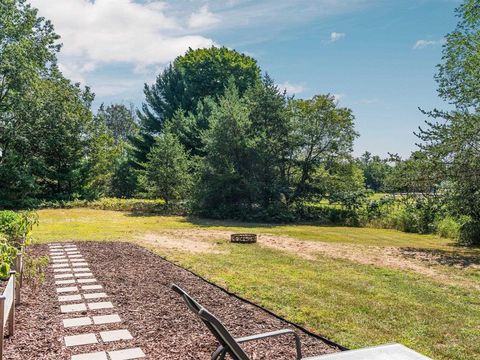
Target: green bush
<point>8,253</point>
<point>16,226</point>
<point>470,234</point>
<point>449,227</point>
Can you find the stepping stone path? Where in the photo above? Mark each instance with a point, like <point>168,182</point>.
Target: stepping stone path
<point>76,283</point>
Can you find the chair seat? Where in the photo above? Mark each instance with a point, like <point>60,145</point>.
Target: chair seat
<point>382,352</point>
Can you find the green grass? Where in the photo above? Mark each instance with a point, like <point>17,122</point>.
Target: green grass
<point>356,305</point>
<point>88,224</point>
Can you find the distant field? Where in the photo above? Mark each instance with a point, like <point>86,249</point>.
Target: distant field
<point>357,286</point>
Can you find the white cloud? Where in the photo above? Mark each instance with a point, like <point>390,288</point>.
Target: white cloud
<point>335,36</point>
<point>291,89</point>
<point>116,31</point>
<point>422,44</point>
<point>338,97</point>
<point>203,18</point>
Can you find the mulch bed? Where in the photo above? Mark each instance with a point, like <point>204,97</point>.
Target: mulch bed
<point>138,283</point>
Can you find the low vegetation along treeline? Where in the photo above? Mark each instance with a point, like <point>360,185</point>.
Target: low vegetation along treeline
<point>216,138</point>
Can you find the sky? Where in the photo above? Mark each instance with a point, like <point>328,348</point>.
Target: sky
<point>377,57</point>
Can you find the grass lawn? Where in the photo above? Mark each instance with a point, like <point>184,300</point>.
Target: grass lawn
<point>349,300</point>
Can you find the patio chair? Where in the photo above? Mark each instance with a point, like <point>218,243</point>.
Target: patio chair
<point>230,345</point>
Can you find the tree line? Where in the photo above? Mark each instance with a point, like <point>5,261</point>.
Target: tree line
<point>217,137</point>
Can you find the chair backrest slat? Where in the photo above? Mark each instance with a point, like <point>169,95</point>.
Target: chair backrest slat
<point>214,325</point>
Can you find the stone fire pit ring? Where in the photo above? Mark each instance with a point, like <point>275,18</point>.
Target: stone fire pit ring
<point>243,238</point>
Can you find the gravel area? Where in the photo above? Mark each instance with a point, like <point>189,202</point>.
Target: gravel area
<point>137,282</point>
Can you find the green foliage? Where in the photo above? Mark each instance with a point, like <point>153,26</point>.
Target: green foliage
<point>449,227</point>
<point>167,174</point>
<point>321,133</point>
<point>34,270</point>
<point>153,206</point>
<point>459,74</point>
<point>17,226</point>
<point>190,79</point>
<point>224,187</point>
<point>8,253</point>
<point>99,166</point>
<point>119,120</point>
<point>376,171</point>
<point>470,233</point>
<point>452,138</point>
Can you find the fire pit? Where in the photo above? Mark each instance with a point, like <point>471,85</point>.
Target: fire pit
<point>243,238</point>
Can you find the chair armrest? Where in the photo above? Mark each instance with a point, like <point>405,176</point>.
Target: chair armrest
<point>268,335</point>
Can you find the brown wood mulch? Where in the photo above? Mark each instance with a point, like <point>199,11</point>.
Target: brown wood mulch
<point>138,284</point>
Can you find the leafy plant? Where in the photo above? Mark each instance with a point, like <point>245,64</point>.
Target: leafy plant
<point>8,253</point>
<point>34,269</point>
<point>17,226</point>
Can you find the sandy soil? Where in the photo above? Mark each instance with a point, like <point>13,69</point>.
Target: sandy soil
<point>416,260</point>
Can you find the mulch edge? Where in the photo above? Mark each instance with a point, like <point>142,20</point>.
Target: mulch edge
<point>297,326</point>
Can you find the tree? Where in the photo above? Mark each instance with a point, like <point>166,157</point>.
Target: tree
<point>190,79</point>
<point>119,120</point>
<point>28,45</point>
<point>166,173</point>
<point>321,132</point>
<point>452,138</point>
<point>376,171</point>
<point>459,74</point>
<point>225,188</point>
<point>269,131</point>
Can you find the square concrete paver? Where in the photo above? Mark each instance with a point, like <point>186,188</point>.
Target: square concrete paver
<point>79,275</point>
<point>92,287</point>
<point>101,355</point>
<point>77,260</point>
<point>99,295</point>
<point>79,321</point>
<point>79,263</point>
<point>115,335</point>
<point>86,281</point>
<point>126,354</point>
<point>67,289</point>
<point>77,340</point>
<point>58,266</point>
<point>81,269</point>
<point>63,276</point>
<point>73,308</point>
<point>106,319</point>
<point>64,269</point>
<point>100,305</point>
<point>64,282</point>
<point>59,261</point>
<point>75,256</point>
<point>70,297</point>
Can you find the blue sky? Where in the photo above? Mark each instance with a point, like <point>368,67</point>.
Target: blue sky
<point>377,56</point>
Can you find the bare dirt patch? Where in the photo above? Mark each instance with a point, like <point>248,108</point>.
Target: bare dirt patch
<point>182,243</point>
<point>203,240</point>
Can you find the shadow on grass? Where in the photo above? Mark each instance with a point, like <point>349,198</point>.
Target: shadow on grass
<point>468,257</point>
<point>205,222</point>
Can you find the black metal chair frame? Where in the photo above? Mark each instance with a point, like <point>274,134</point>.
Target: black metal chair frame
<point>229,344</point>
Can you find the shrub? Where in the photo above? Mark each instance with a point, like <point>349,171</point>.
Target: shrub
<point>470,233</point>
<point>16,226</point>
<point>34,269</point>
<point>8,253</point>
<point>449,227</point>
